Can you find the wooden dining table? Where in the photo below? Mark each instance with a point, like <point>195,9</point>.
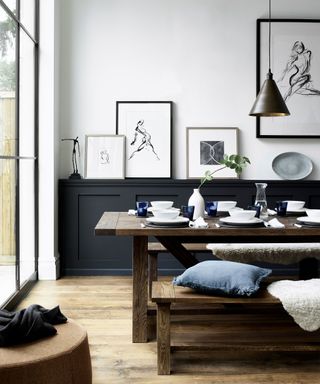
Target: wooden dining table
<point>121,224</point>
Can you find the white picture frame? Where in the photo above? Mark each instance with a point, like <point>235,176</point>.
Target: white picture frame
<point>147,127</point>
<point>104,157</point>
<point>206,147</point>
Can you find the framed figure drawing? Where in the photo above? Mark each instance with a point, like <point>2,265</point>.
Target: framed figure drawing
<point>206,147</point>
<point>104,157</point>
<point>295,63</point>
<point>147,128</point>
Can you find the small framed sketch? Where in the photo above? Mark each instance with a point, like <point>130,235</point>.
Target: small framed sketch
<point>105,157</point>
<point>147,127</point>
<point>206,148</point>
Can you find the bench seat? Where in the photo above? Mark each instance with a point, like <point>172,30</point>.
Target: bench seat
<point>307,255</point>
<point>164,294</point>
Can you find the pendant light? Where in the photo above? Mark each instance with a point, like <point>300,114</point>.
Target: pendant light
<point>269,101</point>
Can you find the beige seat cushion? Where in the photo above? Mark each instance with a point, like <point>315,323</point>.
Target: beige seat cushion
<point>60,359</point>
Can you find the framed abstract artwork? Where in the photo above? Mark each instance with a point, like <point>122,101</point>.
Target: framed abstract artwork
<point>104,157</point>
<point>147,126</point>
<point>295,63</point>
<point>206,147</point>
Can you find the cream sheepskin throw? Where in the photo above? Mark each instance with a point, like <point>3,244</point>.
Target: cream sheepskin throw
<point>301,299</point>
<point>278,253</point>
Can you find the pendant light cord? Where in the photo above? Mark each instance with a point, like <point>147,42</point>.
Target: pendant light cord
<point>269,35</point>
<point>269,101</point>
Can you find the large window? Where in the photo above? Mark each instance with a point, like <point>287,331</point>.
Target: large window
<point>18,144</point>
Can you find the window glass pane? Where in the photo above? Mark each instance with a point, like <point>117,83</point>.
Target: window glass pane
<point>7,228</point>
<point>27,93</point>
<point>26,219</point>
<point>11,4</point>
<point>27,15</point>
<point>7,85</point>
<point>17,223</point>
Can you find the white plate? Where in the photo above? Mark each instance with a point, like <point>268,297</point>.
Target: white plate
<point>308,220</point>
<point>152,209</point>
<point>157,220</point>
<point>235,221</point>
<point>292,165</point>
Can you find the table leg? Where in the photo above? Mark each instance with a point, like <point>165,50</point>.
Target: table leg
<point>153,270</point>
<point>140,289</point>
<point>163,338</point>
<point>308,269</point>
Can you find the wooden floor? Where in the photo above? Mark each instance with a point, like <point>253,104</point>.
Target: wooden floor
<point>103,306</point>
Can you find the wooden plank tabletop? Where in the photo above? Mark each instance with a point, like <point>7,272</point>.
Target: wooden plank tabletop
<point>121,224</point>
<point>107,224</point>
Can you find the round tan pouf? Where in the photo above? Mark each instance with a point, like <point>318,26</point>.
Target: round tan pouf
<point>60,359</point>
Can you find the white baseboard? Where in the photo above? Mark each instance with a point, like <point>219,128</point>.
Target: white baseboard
<point>49,269</point>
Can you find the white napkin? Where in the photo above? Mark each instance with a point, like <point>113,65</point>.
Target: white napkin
<point>131,212</point>
<point>275,223</point>
<point>198,223</point>
<point>271,212</point>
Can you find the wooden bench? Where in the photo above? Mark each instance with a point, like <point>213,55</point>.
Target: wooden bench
<point>155,248</point>
<point>164,294</point>
<point>308,267</point>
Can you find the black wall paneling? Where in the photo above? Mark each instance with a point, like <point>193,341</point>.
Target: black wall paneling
<point>82,202</point>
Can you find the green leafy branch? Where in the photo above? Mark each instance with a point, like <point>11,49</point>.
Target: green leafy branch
<point>235,162</point>
<point>8,32</point>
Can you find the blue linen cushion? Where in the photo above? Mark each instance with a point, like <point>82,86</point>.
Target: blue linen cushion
<point>220,277</point>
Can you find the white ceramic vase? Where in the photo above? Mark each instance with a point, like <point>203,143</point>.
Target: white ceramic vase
<point>197,201</point>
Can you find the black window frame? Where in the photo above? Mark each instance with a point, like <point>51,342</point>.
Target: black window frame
<point>22,289</point>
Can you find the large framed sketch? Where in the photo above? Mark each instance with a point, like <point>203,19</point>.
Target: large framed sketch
<point>147,126</point>
<point>206,147</point>
<point>104,157</point>
<point>295,63</point>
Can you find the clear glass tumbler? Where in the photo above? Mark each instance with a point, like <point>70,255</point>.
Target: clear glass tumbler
<point>261,199</point>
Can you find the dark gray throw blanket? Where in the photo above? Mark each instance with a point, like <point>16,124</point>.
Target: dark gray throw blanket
<point>32,323</point>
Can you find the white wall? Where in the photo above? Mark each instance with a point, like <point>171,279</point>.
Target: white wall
<point>48,139</point>
<point>198,53</point>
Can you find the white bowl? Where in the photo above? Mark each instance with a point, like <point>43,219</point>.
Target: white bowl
<point>294,205</point>
<point>313,212</point>
<point>244,214</point>
<point>226,205</point>
<point>162,204</point>
<point>167,214</point>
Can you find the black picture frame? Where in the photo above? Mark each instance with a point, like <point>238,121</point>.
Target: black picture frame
<point>147,126</point>
<point>298,125</point>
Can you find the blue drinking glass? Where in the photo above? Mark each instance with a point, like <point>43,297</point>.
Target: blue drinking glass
<point>281,208</point>
<point>142,208</point>
<point>211,208</point>
<point>187,211</point>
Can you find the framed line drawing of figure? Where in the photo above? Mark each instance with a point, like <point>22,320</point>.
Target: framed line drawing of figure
<point>206,147</point>
<point>104,157</point>
<point>147,126</point>
<point>295,61</point>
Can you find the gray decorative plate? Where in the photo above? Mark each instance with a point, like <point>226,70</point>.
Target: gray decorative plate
<point>292,165</point>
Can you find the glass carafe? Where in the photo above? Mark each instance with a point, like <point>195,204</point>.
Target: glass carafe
<point>261,199</point>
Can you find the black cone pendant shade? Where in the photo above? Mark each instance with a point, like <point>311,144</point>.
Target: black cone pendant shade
<point>269,101</point>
